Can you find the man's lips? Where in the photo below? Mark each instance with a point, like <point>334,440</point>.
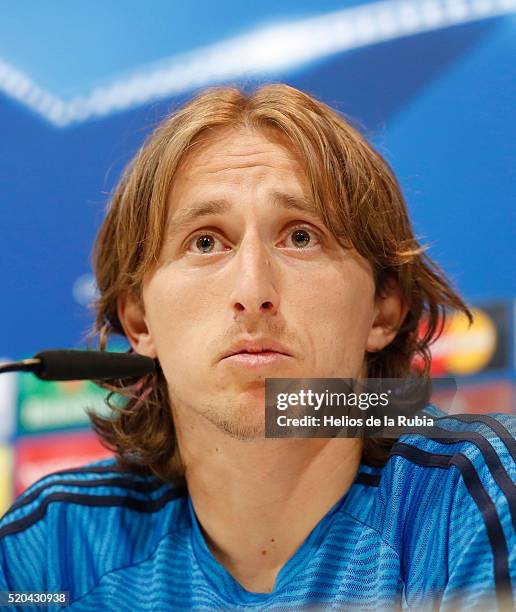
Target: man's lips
<point>256,346</point>
<point>254,360</point>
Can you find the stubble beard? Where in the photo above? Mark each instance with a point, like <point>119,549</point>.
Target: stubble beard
<point>238,422</point>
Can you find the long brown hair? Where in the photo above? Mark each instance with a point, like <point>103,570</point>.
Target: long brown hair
<point>358,198</point>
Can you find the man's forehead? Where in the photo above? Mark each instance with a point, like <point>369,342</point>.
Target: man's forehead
<point>201,187</point>
<point>281,200</point>
<point>232,148</point>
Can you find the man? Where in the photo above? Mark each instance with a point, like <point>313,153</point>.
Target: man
<point>258,236</point>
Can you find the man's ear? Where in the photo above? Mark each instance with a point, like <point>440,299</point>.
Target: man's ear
<point>131,314</point>
<point>389,313</point>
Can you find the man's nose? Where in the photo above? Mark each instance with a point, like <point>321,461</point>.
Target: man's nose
<point>254,291</point>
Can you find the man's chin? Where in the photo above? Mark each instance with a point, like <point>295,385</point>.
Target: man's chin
<point>241,429</point>
<point>246,435</point>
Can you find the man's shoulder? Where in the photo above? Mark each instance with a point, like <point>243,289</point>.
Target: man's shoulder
<point>72,527</point>
<point>93,489</point>
<point>455,483</point>
<point>79,499</point>
<point>478,446</point>
<point>464,462</point>
<point>476,452</point>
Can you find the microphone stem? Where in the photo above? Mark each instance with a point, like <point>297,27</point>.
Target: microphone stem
<point>26,365</point>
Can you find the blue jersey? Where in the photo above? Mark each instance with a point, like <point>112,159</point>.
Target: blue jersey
<point>432,529</point>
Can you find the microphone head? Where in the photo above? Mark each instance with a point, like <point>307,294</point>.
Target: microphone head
<point>74,364</point>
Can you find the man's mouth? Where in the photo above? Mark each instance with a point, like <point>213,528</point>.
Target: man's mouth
<point>256,359</point>
<point>256,346</point>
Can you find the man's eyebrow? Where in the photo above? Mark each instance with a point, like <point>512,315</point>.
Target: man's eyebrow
<point>294,202</point>
<point>186,216</point>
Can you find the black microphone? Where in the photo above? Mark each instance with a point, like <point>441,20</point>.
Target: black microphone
<point>83,365</point>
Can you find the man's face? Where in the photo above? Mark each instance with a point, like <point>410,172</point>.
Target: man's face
<point>257,270</point>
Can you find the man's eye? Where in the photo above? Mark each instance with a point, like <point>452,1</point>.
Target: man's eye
<point>301,237</point>
<point>204,242</point>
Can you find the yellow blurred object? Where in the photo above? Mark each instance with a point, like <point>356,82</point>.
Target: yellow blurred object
<point>6,482</point>
<point>469,349</point>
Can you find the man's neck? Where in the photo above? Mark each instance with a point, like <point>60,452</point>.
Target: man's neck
<point>258,500</point>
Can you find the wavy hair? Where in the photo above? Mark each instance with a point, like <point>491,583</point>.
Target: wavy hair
<point>354,191</point>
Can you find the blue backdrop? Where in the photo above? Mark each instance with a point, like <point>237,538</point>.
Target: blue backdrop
<point>433,83</point>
